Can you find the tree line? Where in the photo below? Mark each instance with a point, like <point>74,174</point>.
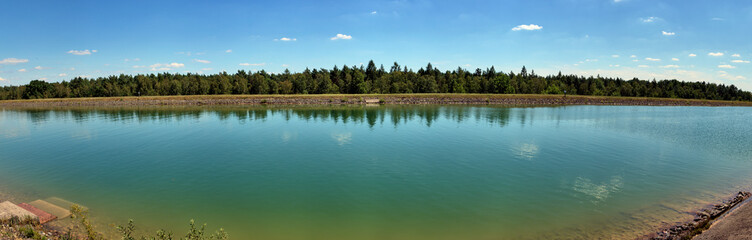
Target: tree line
<point>370,79</point>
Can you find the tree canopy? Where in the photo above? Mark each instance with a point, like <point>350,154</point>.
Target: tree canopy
<point>370,79</point>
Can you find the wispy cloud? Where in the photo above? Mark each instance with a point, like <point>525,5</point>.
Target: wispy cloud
<point>670,66</point>
<point>132,59</point>
<point>739,61</point>
<point>252,64</point>
<point>674,59</point>
<point>643,66</point>
<point>725,75</point>
<point>62,75</point>
<point>13,61</point>
<point>22,70</point>
<point>736,55</point>
<point>286,39</point>
<point>715,54</point>
<point>726,66</point>
<point>668,33</point>
<point>614,56</point>
<point>633,56</point>
<point>165,66</point>
<point>529,27</point>
<point>82,52</point>
<point>374,13</point>
<point>228,50</point>
<point>692,55</point>
<point>340,36</point>
<point>38,68</point>
<point>653,59</point>
<point>649,19</point>
<point>201,61</point>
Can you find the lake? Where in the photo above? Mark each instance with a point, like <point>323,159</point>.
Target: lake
<point>383,172</point>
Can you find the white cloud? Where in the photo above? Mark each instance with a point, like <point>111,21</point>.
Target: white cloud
<point>285,65</point>
<point>374,13</point>
<point>2,79</point>
<point>617,65</point>
<point>736,55</point>
<point>614,56</point>
<point>38,68</point>
<point>62,75</point>
<point>81,52</point>
<point>530,27</point>
<point>692,55</point>
<point>43,79</point>
<point>649,19</point>
<point>643,66</point>
<point>635,60</point>
<point>726,66</point>
<point>201,61</point>
<point>674,59</point>
<point>252,64</point>
<point>228,50</point>
<point>653,59</point>
<point>165,66</point>
<point>286,39</point>
<point>22,70</point>
<point>739,61</point>
<point>715,54</point>
<point>134,59</point>
<point>633,56</point>
<point>670,66</point>
<point>668,33</point>
<point>137,66</point>
<point>341,36</point>
<point>207,69</point>
<point>13,61</point>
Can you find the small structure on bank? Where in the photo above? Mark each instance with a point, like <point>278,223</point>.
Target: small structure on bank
<point>42,211</point>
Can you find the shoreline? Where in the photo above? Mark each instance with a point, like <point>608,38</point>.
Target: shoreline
<point>704,220</point>
<point>370,99</point>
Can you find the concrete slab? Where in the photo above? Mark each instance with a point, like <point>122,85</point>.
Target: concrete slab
<point>44,217</point>
<point>53,209</point>
<point>9,210</point>
<point>64,203</point>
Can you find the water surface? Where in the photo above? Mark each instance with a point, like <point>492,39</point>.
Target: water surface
<point>389,172</point>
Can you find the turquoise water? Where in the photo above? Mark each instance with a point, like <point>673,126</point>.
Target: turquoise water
<point>389,172</point>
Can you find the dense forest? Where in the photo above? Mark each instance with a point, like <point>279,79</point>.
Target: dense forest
<point>370,79</point>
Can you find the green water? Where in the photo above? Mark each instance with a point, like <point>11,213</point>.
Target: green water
<point>389,172</point>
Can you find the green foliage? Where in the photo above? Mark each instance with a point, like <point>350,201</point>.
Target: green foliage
<point>194,233</point>
<point>29,232</point>
<point>371,79</point>
<point>83,215</point>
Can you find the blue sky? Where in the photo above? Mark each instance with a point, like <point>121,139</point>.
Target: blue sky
<point>688,40</point>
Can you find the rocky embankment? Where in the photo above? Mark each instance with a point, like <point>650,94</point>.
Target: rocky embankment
<point>511,100</point>
<point>703,219</point>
